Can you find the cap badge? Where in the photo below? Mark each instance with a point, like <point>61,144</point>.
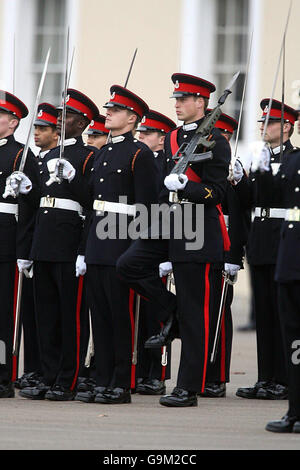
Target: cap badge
<point>177,84</point>
<point>92,123</point>
<point>266,109</point>
<point>113,95</point>
<point>40,113</point>
<point>143,120</point>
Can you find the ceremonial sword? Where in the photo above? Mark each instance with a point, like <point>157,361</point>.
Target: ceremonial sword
<point>53,177</point>
<point>228,280</point>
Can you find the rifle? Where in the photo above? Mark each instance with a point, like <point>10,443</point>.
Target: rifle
<point>192,151</point>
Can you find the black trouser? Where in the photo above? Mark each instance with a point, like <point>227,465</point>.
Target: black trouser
<point>31,348</point>
<point>60,305</point>
<point>289,311</point>
<point>8,295</point>
<point>219,371</point>
<point>112,308</point>
<point>149,361</point>
<point>198,290</point>
<point>270,353</point>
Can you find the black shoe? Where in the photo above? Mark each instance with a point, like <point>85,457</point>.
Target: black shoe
<point>88,396</point>
<point>151,387</point>
<point>59,393</point>
<point>29,379</point>
<point>273,392</point>
<point>285,424</point>
<point>7,390</point>
<point>296,427</point>
<point>86,385</point>
<point>214,390</point>
<point>35,393</point>
<point>168,332</point>
<point>114,396</point>
<point>251,392</point>
<point>179,397</point>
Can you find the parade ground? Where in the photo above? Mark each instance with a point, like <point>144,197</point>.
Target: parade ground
<point>229,423</point>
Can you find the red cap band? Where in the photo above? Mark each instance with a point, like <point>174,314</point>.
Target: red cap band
<point>160,126</point>
<point>276,113</point>
<point>47,117</point>
<point>119,99</point>
<point>190,88</point>
<point>80,107</point>
<point>11,108</point>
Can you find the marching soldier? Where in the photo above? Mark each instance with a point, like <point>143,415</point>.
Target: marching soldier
<point>151,373</point>
<point>197,272</point>
<point>57,254</point>
<point>262,251</point>
<point>46,138</point>
<point>97,132</point>
<point>12,110</point>
<point>124,175</point>
<point>283,189</point>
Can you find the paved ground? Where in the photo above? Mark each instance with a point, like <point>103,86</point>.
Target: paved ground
<point>223,424</point>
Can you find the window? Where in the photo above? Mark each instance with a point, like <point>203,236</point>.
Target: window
<point>231,50</point>
<point>49,31</point>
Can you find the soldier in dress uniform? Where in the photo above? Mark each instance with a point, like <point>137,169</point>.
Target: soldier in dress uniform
<point>12,110</point>
<point>151,370</point>
<point>124,174</point>
<point>198,271</point>
<point>97,132</point>
<point>262,250</point>
<point>46,138</point>
<point>218,374</point>
<point>57,250</point>
<point>283,189</point>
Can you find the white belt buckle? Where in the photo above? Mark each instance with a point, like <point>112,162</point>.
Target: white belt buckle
<point>98,206</point>
<point>49,201</point>
<point>173,197</point>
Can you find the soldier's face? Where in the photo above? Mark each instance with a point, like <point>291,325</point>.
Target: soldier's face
<point>154,140</point>
<point>189,109</point>
<point>118,119</point>
<point>7,124</point>
<point>97,140</point>
<point>45,137</point>
<point>74,125</point>
<point>272,135</point>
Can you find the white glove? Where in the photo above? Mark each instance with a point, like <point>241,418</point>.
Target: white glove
<point>80,266</point>
<point>17,183</point>
<point>232,269</point>
<point>64,169</point>
<point>173,183</point>
<point>165,268</point>
<point>260,157</point>
<point>24,264</point>
<point>236,173</point>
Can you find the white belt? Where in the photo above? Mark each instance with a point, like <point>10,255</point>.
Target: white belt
<point>9,208</point>
<point>117,207</point>
<point>273,213</point>
<point>292,215</point>
<point>59,203</point>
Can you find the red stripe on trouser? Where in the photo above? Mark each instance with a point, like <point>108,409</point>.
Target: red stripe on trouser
<point>131,303</point>
<point>78,307</point>
<point>206,322</point>
<point>14,358</point>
